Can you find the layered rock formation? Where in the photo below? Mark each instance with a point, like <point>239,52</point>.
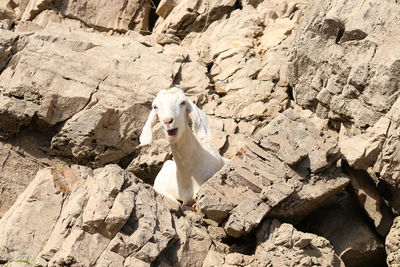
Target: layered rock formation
<point>302,97</point>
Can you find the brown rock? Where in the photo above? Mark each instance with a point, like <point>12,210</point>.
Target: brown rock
<point>388,162</point>
<point>344,65</point>
<point>120,16</point>
<point>94,217</point>
<point>180,17</point>
<point>20,160</point>
<point>369,198</point>
<point>190,247</point>
<point>392,244</point>
<point>283,245</point>
<point>7,47</point>
<point>99,97</point>
<point>262,180</point>
<point>342,222</point>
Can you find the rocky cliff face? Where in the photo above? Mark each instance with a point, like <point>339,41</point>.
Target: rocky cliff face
<point>302,96</point>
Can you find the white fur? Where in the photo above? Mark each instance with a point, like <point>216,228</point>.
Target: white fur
<point>195,158</point>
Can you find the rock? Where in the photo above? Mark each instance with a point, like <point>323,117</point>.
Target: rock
<point>340,67</point>
<point>282,245</point>
<point>149,160</point>
<point>94,217</point>
<point>5,24</point>
<point>361,151</point>
<point>99,98</point>
<point>344,225</point>
<point>370,199</point>
<point>392,244</point>
<point>41,197</point>
<point>119,16</point>
<point>242,66</point>
<point>387,163</point>
<point>270,178</point>
<point>190,247</point>
<point>7,47</point>
<point>20,160</point>
<point>34,7</point>
<point>6,12</point>
<point>279,245</point>
<point>180,17</point>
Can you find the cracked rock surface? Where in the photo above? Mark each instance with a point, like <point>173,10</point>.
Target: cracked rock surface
<point>302,98</point>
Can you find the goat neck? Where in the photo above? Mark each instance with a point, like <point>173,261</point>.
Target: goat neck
<point>186,150</point>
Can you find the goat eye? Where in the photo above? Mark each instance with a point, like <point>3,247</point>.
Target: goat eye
<point>183,103</point>
<point>155,107</point>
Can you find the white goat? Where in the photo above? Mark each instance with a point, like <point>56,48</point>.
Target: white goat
<point>195,159</point>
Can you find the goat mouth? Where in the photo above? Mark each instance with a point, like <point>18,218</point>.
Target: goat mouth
<point>172,132</point>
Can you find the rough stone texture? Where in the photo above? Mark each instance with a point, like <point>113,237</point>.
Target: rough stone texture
<point>191,244</point>
<point>82,95</point>
<point>388,162</point>
<point>20,159</point>
<point>345,226</point>
<point>100,96</point>
<point>393,244</point>
<point>17,168</point>
<point>271,175</point>
<point>182,17</point>
<point>369,198</point>
<point>279,245</point>
<point>377,151</point>
<point>120,15</point>
<point>247,59</point>
<point>283,245</point>
<point>7,47</point>
<point>150,159</point>
<point>94,217</point>
<point>345,63</point>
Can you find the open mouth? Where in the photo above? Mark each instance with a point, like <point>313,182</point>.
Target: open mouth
<point>172,132</point>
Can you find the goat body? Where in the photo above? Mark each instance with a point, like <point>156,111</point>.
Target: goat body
<point>195,161</point>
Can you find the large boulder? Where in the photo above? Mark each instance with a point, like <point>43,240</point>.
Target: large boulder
<point>279,245</point>
<point>283,245</point>
<point>178,18</point>
<point>285,172</point>
<point>101,217</point>
<point>345,60</point>
<point>120,15</point>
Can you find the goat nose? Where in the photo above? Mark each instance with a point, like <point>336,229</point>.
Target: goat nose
<point>168,120</point>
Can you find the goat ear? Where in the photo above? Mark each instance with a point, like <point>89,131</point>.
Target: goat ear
<point>199,119</point>
<point>147,135</point>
